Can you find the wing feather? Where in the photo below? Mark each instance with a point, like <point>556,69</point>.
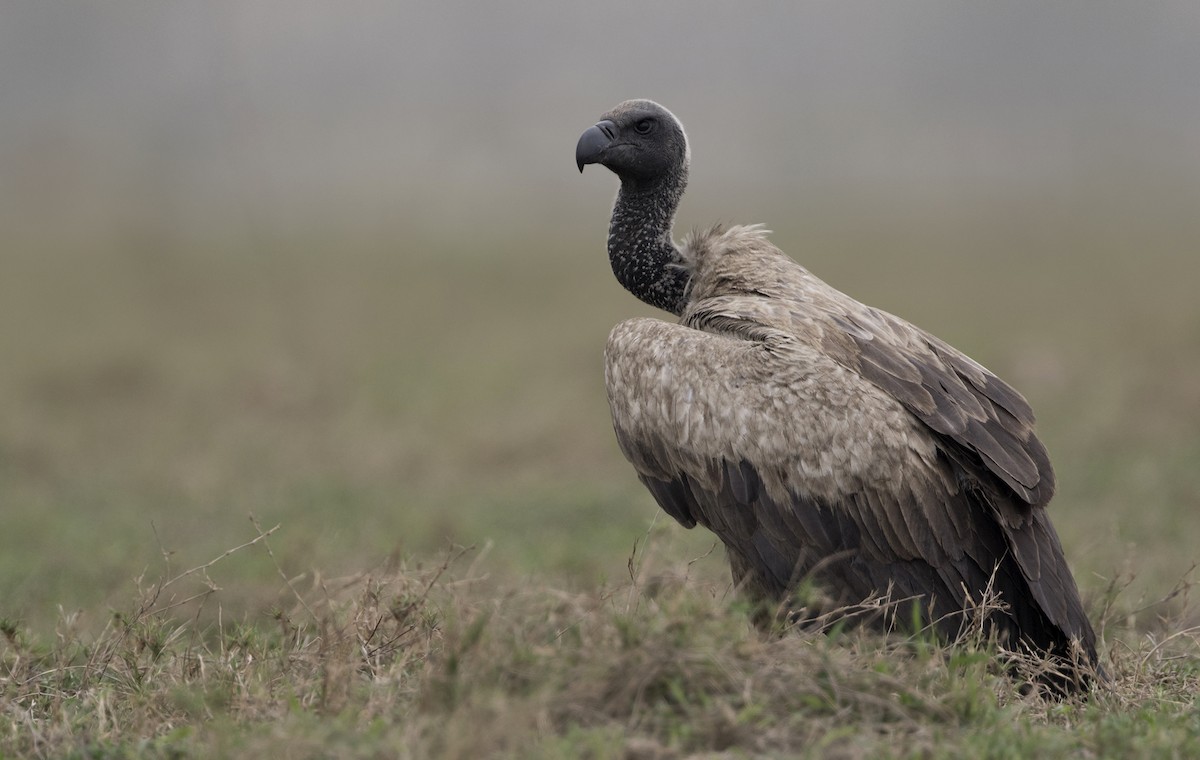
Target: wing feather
<point>952,394</point>
<point>802,465</point>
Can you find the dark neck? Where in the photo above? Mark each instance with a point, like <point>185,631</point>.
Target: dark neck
<point>643,256</point>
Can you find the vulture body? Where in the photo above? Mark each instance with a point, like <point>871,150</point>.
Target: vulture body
<point>823,441</point>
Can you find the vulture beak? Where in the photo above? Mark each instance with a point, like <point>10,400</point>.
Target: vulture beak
<point>593,142</point>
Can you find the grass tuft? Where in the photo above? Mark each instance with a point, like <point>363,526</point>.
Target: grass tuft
<point>424,660</point>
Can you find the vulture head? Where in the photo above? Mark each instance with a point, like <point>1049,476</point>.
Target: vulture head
<point>640,141</point>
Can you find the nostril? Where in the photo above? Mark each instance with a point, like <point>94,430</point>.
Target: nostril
<point>608,128</point>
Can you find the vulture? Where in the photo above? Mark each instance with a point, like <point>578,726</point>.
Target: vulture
<point>828,444</point>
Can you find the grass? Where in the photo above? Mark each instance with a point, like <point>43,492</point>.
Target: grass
<point>442,661</point>
<point>382,401</point>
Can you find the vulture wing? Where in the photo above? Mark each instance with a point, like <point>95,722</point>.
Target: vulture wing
<point>950,392</point>
<point>742,282</point>
<point>812,462</point>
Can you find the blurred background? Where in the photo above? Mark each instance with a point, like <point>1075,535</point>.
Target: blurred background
<point>332,264</point>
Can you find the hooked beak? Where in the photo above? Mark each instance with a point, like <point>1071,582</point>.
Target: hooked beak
<point>593,142</point>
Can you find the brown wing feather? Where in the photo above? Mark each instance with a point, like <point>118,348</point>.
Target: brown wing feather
<point>718,431</point>
<point>950,393</point>
<point>744,285</point>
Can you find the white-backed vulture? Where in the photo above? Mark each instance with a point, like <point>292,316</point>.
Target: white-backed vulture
<point>820,439</point>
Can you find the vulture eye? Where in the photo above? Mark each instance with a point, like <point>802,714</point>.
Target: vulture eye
<point>644,127</point>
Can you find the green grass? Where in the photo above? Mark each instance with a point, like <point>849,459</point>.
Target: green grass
<point>382,401</point>
<point>442,661</point>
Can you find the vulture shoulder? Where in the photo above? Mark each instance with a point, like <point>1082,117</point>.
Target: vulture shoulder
<point>739,277</point>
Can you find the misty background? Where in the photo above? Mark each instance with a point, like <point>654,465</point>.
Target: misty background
<point>201,118</point>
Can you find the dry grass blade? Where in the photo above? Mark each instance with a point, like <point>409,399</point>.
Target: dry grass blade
<point>436,661</point>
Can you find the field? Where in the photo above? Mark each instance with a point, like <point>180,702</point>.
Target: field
<point>307,493</point>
